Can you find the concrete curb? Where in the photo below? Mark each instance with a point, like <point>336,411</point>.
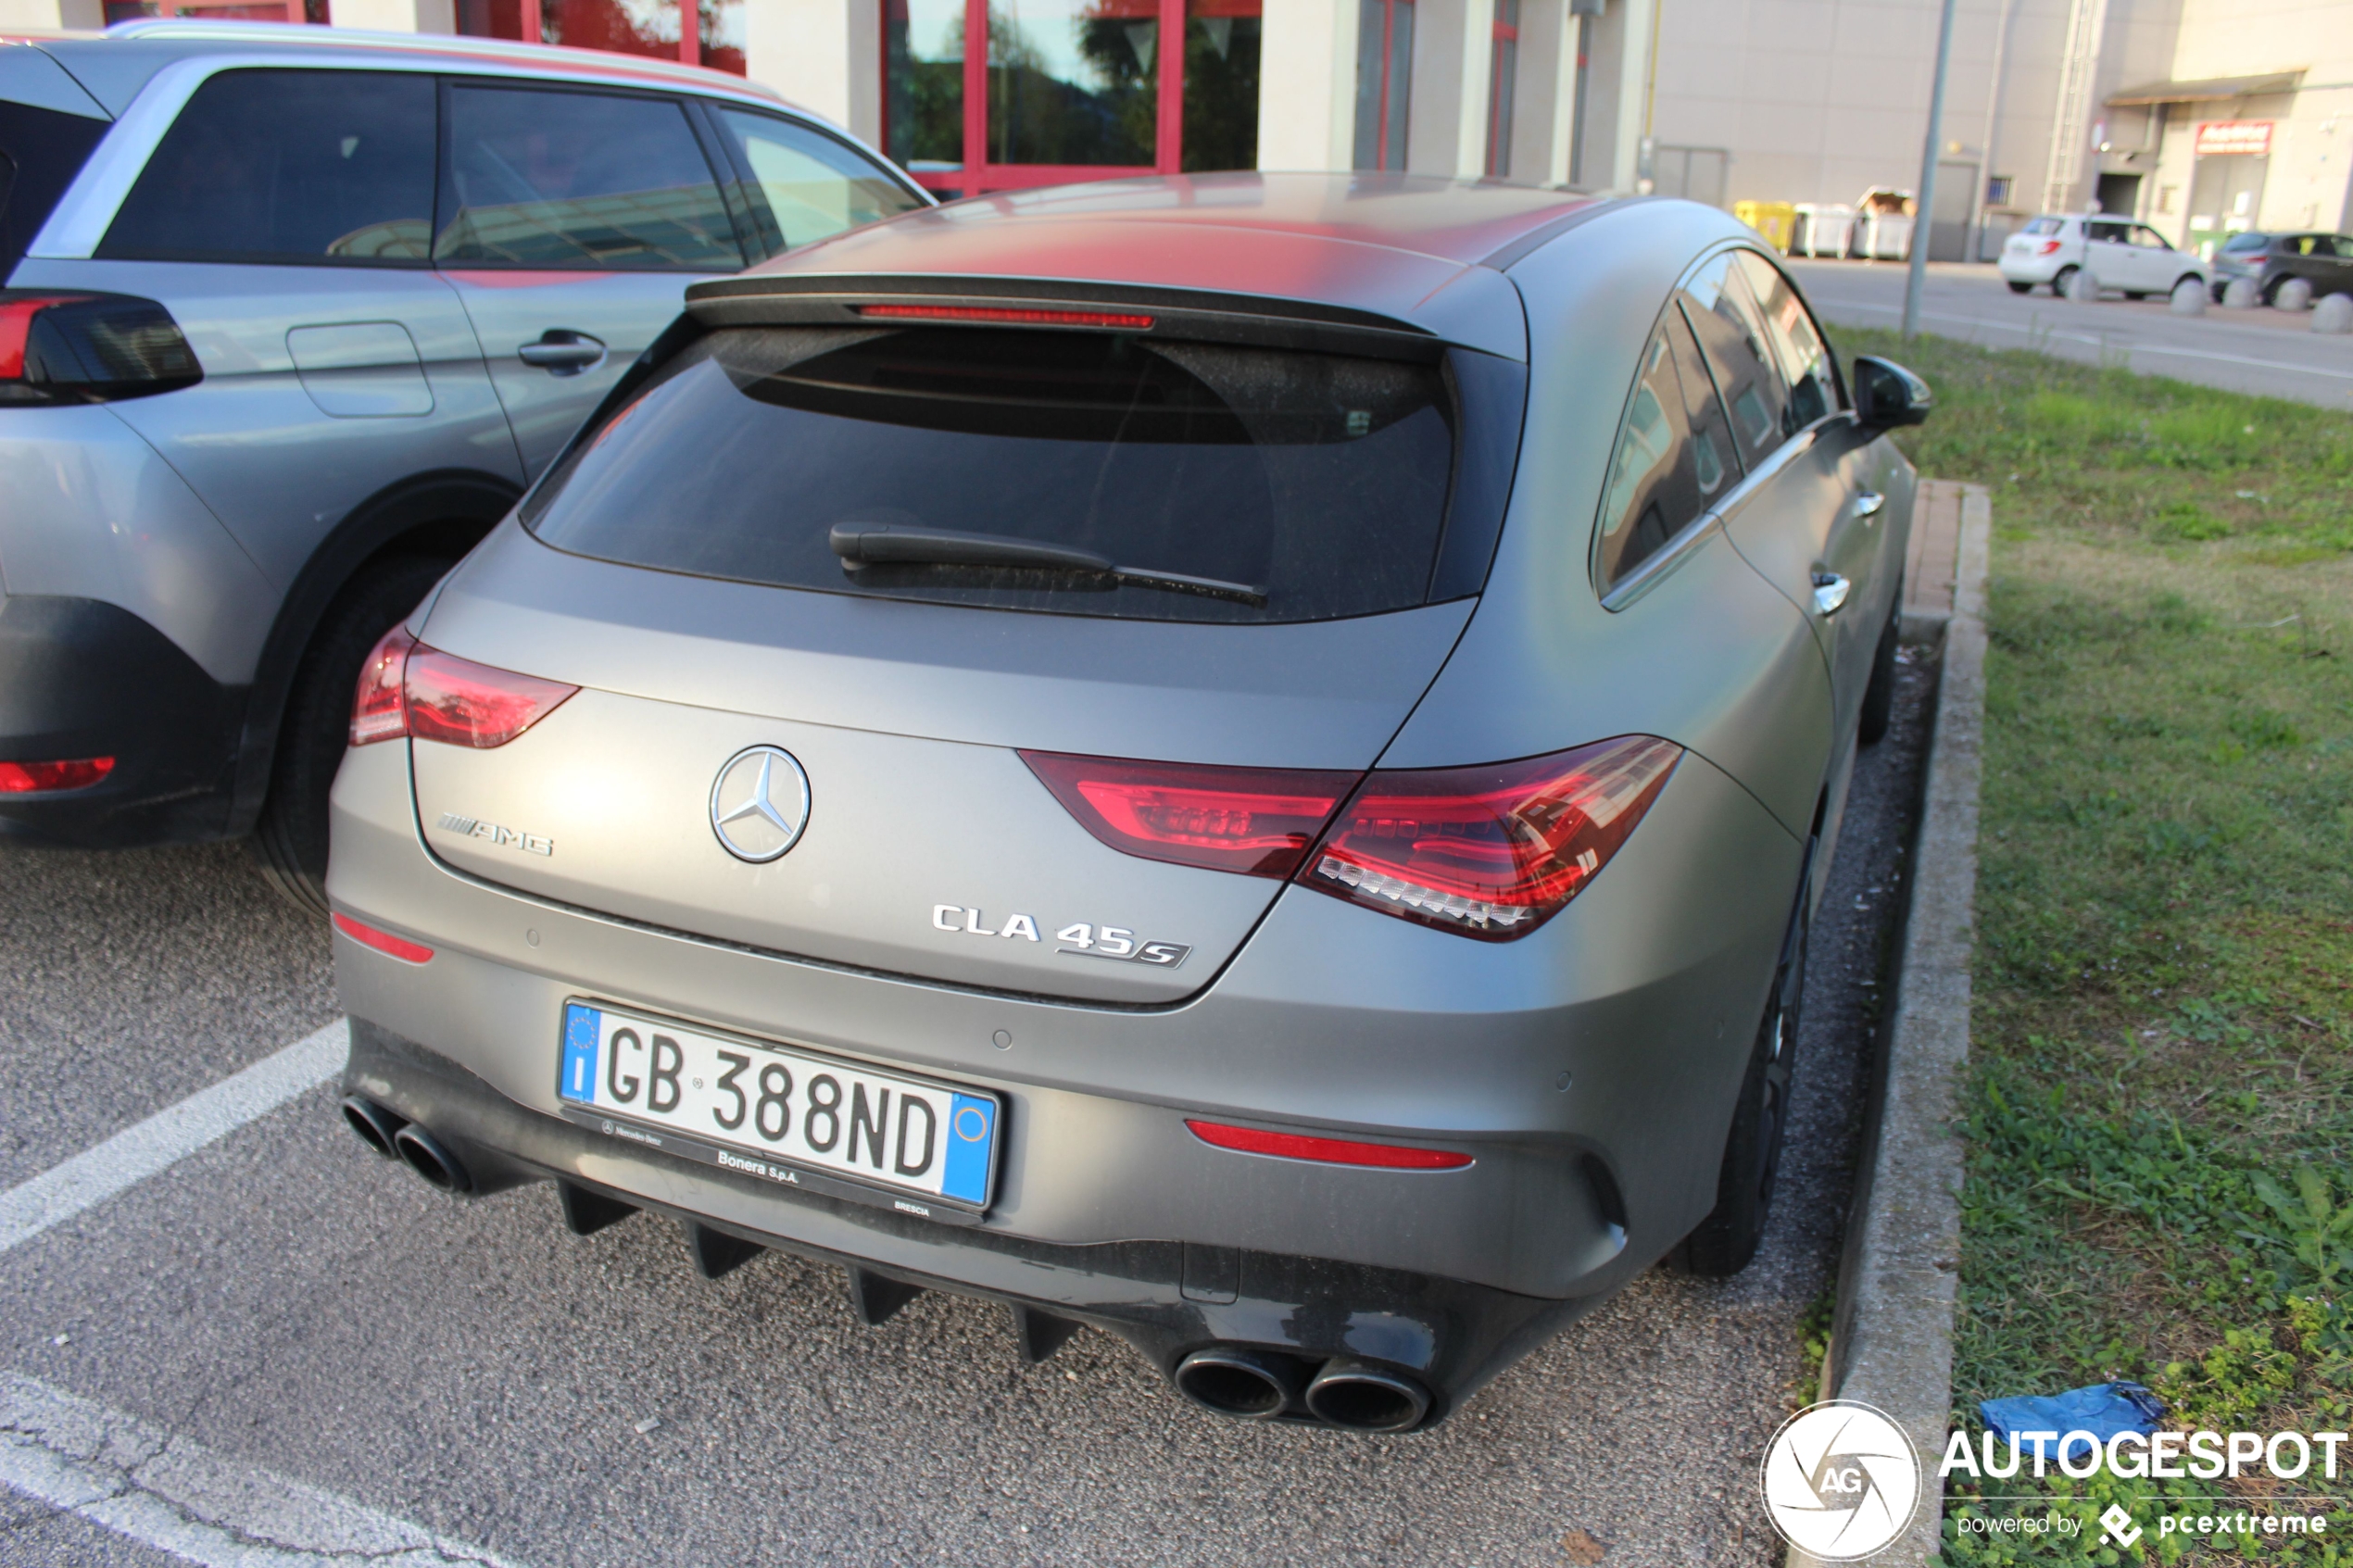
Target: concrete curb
<point>1892,1331</point>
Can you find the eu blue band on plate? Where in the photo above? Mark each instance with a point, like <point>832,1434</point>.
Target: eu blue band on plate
<point>971,1126</point>
<point>582,1027</point>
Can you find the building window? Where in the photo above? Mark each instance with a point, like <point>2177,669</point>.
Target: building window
<point>1384,82</point>
<point>1504,75</point>
<point>1997,190</point>
<point>980,96</point>
<point>626,27</point>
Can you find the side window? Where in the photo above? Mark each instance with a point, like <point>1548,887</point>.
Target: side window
<point>579,179</point>
<point>2111,233</point>
<point>323,167</point>
<point>1806,361</point>
<point>1734,336</point>
<point>805,185</point>
<point>1663,474</point>
<point>2149,238</point>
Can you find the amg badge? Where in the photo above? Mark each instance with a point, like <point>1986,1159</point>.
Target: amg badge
<point>529,843</point>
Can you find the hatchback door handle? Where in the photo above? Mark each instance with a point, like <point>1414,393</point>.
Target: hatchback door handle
<point>1868,503</point>
<point>1830,591</point>
<point>562,353</point>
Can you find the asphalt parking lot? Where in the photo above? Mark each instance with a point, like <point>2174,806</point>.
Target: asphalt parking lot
<point>241,1356</point>
<point>2273,353</point>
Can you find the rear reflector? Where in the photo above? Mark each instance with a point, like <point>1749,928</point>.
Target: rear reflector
<point>1009,316</point>
<point>1329,1151</point>
<point>1255,820</point>
<point>24,778</point>
<point>382,941</point>
<point>406,688</point>
<point>1491,851</point>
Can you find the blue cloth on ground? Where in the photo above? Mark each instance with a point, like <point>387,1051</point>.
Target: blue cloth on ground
<point>2103,1410</point>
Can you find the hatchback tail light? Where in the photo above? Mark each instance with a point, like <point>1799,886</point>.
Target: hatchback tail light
<point>1491,851</point>
<point>89,348</point>
<point>2048,247</point>
<point>1255,820</point>
<point>409,689</point>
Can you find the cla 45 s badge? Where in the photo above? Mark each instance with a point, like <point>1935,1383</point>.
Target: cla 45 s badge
<point>1078,941</point>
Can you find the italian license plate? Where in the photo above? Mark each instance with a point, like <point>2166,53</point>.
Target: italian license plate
<point>789,1116</point>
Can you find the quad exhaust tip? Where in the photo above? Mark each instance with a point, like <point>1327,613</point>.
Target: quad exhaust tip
<point>1236,1380</point>
<point>376,1126</point>
<point>425,1155</point>
<point>1366,1398</point>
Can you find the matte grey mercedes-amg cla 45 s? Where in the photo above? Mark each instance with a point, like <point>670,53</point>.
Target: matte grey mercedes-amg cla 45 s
<point>1242,760</point>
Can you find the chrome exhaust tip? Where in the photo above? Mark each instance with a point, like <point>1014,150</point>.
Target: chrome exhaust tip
<point>1364,1399</point>
<point>424,1154</point>
<point>1238,1380</point>
<point>376,1126</point>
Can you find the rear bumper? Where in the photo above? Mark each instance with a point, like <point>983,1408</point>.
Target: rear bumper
<point>1166,1299</point>
<point>82,678</point>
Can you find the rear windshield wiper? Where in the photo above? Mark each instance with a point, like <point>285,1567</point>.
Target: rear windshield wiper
<point>891,543</point>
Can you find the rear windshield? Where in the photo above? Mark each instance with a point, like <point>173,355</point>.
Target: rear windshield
<point>1316,480</point>
<point>2044,226</point>
<point>2247,241</point>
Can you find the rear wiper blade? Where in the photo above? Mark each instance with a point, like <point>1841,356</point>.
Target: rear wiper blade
<point>893,544</point>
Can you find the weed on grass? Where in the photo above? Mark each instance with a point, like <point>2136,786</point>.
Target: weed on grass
<point>2159,1123</point>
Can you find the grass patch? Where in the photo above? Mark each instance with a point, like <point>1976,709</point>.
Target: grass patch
<point>2161,1111</point>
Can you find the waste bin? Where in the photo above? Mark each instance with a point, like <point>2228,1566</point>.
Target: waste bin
<point>1823,230</point>
<point>1884,221</point>
<point>1771,220</point>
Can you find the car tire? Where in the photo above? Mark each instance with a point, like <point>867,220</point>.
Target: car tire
<point>1725,1242</point>
<point>290,839</point>
<point>1878,696</point>
<point>2136,293</point>
<point>2017,287</point>
<point>2059,281</point>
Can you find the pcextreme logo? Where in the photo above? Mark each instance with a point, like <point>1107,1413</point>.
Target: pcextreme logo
<point>1841,1480</point>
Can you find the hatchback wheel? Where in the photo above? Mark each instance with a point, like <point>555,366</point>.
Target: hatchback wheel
<point>1727,1239</point>
<point>2017,287</point>
<point>2058,283</point>
<point>291,838</point>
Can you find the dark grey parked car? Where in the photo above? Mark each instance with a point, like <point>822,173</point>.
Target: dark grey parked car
<point>290,319</point>
<point>1243,760</point>
<point>2323,262</point>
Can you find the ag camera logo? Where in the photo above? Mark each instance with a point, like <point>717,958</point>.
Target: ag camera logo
<point>1841,1480</point>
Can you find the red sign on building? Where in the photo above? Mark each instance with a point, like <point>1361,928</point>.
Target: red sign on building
<point>2242,137</point>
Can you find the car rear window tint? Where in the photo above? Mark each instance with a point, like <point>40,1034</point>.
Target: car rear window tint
<point>805,186</point>
<point>1320,478</point>
<point>2239,243</point>
<point>2043,226</point>
<point>41,151</point>
<point>1672,458</point>
<point>317,167</point>
<point>600,181</point>
<point>1741,353</point>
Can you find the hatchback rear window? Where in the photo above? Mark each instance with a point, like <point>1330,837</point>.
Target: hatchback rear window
<point>1316,481</point>
<point>2247,241</point>
<point>2044,226</point>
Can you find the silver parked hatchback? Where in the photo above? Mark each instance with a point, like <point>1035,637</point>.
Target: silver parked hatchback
<point>291,316</point>
<point>1238,759</point>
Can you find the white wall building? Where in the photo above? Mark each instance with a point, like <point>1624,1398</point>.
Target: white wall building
<point>2201,117</point>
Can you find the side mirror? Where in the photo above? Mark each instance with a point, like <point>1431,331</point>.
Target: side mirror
<point>1887,396</point>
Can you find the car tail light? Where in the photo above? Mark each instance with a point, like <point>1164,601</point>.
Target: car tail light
<point>2048,247</point>
<point>382,941</point>
<point>1328,1151</point>
<point>1491,851</point>
<point>89,348</point>
<point>1256,820</point>
<point>406,688</point>
<point>23,778</point>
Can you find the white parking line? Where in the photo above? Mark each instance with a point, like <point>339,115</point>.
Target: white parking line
<point>175,1496</point>
<point>170,1135</point>
<point>2038,330</point>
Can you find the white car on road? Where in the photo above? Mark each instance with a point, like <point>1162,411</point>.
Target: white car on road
<point>2131,257</point>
